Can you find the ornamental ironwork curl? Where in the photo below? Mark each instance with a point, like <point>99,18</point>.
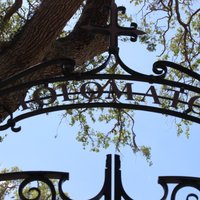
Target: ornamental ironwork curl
<point>97,75</point>
<point>160,70</point>
<point>11,122</point>
<point>180,182</point>
<point>47,178</point>
<point>29,177</point>
<point>112,186</point>
<point>26,182</point>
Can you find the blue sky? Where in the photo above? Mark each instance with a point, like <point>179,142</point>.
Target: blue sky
<point>35,148</point>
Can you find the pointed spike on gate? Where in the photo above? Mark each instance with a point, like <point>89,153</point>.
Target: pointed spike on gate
<point>108,160</point>
<point>117,162</point>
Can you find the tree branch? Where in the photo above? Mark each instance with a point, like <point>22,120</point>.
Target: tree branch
<point>12,10</point>
<point>37,41</point>
<point>82,45</point>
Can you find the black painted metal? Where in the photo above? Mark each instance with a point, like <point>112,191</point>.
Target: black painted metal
<point>11,123</point>
<point>66,65</point>
<point>106,191</point>
<point>47,176</point>
<point>114,30</point>
<point>134,76</point>
<point>160,70</point>
<point>179,182</point>
<point>118,189</point>
<point>112,186</point>
<point>41,176</point>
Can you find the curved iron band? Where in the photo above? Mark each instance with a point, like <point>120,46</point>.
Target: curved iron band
<point>69,62</point>
<point>10,122</point>
<point>108,92</point>
<point>159,68</point>
<point>164,64</point>
<point>98,69</point>
<point>102,105</point>
<point>77,77</point>
<point>192,195</point>
<point>114,30</point>
<point>165,188</point>
<point>183,185</point>
<point>61,193</point>
<point>181,182</point>
<point>160,73</point>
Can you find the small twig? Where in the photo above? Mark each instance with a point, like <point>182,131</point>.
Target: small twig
<point>136,148</point>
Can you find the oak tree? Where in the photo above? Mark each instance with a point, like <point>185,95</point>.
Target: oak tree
<point>34,31</point>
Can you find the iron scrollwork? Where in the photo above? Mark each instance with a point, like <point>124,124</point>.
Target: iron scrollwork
<point>112,186</point>
<point>69,75</point>
<point>114,30</point>
<point>97,75</point>
<point>11,122</point>
<point>180,182</point>
<point>45,177</point>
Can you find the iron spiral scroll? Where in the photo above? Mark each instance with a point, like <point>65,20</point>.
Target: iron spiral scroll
<point>179,182</point>
<point>56,192</point>
<point>46,177</point>
<point>112,187</point>
<point>130,76</point>
<point>159,68</point>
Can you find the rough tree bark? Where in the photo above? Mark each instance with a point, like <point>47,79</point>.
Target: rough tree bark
<point>37,41</point>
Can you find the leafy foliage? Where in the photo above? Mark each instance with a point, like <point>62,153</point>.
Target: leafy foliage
<point>13,20</point>
<point>9,189</point>
<point>171,25</point>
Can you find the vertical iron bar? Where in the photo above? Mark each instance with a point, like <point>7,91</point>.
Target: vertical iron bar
<point>117,180</point>
<point>108,178</point>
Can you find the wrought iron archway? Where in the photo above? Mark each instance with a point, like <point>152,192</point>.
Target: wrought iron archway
<point>95,76</point>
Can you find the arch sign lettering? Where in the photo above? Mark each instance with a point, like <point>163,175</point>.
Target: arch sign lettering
<point>106,85</point>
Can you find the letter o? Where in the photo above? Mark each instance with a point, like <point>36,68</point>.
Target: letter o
<point>191,104</point>
<point>91,93</point>
<point>40,100</point>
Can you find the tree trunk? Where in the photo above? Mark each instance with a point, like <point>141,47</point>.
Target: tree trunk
<point>37,42</point>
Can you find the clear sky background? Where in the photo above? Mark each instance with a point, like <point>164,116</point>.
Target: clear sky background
<point>35,147</point>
